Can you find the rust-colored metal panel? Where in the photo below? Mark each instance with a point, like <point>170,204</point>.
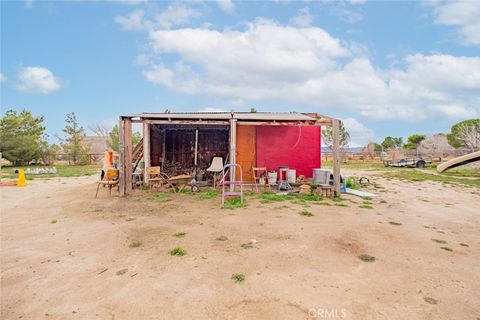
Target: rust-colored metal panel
<point>246,150</point>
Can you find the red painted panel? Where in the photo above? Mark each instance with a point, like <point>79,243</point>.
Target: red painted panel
<point>297,147</point>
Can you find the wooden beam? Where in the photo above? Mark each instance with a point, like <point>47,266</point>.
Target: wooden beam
<point>190,122</point>
<point>146,150</point>
<point>121,150</point>
<point>233,148</point>
<point>336,155</point>
<point>164,143</point>
<point>196,149</point>
<point>128,150</point>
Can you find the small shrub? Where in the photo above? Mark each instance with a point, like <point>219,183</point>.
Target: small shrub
<point>352,184</point>
<point>341,205</point>
<point>247,245</point>
<point>337,199</point>
<point>306,213</point>
<point>179,234</point>
<point>439,241</point>
<point>53,221</point>
<point>365,206</point>
<point>464,244</point>
<point>161,197</point>
<point>178,251</point>
<point>430,300</point>
<point>367,198</point>
<point>395,223</point>
<point>238,277</point>
<point>233,203</point>
<point>210,194</point>
<point>366,257</point>
<point>187,191</point>
<point>221,238</point>
<point>309,197</point>
<point>121,271</point>
<point>446,248</point>
<point>135,244</point>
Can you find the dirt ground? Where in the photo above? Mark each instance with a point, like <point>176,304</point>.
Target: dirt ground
<point>83,266</point>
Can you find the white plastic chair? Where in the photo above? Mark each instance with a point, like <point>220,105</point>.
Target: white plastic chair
<point>216,166</point>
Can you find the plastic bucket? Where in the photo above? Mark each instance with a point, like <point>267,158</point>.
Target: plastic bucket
<point>321,176</point>
<point>272,178</point>
<point>292,175</point>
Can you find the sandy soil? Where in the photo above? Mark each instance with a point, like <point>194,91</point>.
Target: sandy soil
<point>299,268</point>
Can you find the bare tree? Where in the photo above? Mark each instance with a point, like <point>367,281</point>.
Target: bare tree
<point>99,130</point>
<point>469,135</point>
<point>465,134</point>
<point>327,137</point>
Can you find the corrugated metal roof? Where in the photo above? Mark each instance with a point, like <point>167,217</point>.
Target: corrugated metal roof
<point>187,115</point>
<point>293,116</point>
<point>252,116</point>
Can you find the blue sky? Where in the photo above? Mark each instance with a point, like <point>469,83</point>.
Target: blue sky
<point>385,68</point>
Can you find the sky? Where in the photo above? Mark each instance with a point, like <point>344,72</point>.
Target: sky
<point>386,68</point>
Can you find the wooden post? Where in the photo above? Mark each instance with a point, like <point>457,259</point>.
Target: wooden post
<point>125,148</point>
<point>336,155</point>
<point>128,155</point>
<point>121,165</point>
<point>196,148</point>
<point>233,148</point>
<point>164,138</point>
<point>146,150</point>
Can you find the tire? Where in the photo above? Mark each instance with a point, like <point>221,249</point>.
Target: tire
<point>420,164</point>
<point>195,188</point>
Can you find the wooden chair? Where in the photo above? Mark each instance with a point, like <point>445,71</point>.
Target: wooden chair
<point>110,179</point>
<point>257,173</point>
<point>156,178</point>
<point>153,176</point>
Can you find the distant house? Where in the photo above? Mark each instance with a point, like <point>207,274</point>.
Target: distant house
<point>97,145</point>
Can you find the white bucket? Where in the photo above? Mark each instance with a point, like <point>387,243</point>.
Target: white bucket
<point>272,178</point>
<point>292,175</point>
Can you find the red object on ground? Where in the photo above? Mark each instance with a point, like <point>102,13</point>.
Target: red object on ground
<point>297,147</point>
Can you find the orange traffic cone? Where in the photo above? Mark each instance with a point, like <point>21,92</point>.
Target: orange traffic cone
<point>22,182</point>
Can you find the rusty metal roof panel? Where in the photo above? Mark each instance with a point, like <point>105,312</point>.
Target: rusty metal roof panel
<point>272,116</point>
<point>187,115</point>
<point>251,116</point>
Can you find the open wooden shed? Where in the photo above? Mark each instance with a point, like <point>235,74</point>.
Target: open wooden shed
<point>251,139</point>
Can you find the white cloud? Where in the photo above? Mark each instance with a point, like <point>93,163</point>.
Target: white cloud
<point>462,14</point>
<point>209,109</point>
<point>142,59</point>
<point>302,19</point>
<point>346,14</point>
<point>359,134</point>
<point>454,112</point>
<point>267,61</point>
<point>176,14</point>
<point>134,21</point>
<point>133,2</point>
<point>226,5</point>
<point>2,78</point>
<point>38,80</point>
